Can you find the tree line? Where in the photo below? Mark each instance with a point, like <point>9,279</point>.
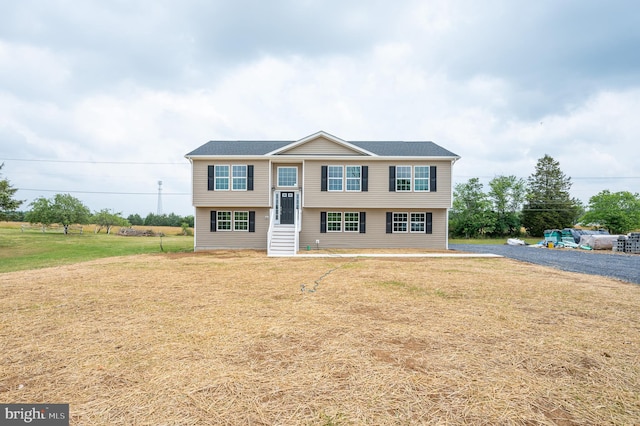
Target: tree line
<point>66,210</point>
<point>513,206</point>
<point>510,207</point>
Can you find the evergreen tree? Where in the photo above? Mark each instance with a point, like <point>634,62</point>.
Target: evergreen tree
<point>135,219</point>
<point>548,203</point>
<point>7,203</point>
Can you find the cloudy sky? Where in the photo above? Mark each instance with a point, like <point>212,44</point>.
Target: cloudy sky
<point>102,99</point>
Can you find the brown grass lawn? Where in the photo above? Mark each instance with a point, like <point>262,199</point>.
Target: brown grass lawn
<point>230,338</point>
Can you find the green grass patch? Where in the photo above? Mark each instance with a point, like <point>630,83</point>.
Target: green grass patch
<point>33,249</point>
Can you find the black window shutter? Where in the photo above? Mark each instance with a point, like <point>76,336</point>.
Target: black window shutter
<point>323,222</point>
<point>210,178</point>
<point>389,222</point>
<point>392,178</point>
<point>252,221</point>
<point>365,178</point>
<point>323,180</point>
<point>432,179</point>
<point>429,224</point>
<point>363,222</point>
<point>214,216</point>
<point>249,178</point>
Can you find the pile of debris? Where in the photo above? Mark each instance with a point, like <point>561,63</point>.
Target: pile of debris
<point>130,232</point>
<point>628,243</point>
<point>579,238</point>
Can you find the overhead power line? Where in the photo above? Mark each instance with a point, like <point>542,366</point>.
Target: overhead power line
<point>103,192</point>
<point>137,163</point>
<point>572,177</point>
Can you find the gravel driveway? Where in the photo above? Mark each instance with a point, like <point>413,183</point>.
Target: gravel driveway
<point>624,267</point>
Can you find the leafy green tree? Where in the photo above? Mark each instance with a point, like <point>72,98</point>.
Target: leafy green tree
<point>471,212</point>
<point>7,203</point>
<point>618,212</point>
<point>69,210</point>
<point>548,203</point>
<point>507,195</point>
<point>41,212</point>
<point>107,219</point>
<point>63,209</point>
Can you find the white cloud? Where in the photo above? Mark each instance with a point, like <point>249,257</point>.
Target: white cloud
<point>499,83</point>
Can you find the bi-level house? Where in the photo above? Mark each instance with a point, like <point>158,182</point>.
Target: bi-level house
<point>321,192</point>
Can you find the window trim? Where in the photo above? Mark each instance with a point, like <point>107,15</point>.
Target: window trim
<point>338,222</point>
<point>398,179</point>
<point>394,222</point>
<point>358,179</point>
<point>220,221</point>
<point>236,221</point>
<point>422,179</point>
<point>217,178</point>
<point>335,179</point>
<point>234,179</point>
<point>352,222</point>
<point>423,222</point>
<point>278,176</point>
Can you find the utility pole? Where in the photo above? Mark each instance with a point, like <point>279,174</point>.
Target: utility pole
<point>159,212</point>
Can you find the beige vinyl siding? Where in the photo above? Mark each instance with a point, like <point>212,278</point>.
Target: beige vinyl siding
<point>320,146</point>
<point>207,240</point>
<point>378,195</point>
<point>202,197</point>
<point>375,236</point>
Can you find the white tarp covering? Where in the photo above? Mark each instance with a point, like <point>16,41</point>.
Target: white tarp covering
<point>599,242</point>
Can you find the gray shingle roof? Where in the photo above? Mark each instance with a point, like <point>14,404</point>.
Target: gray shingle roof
<point>238,147</point>
<point>402,149</point>
<point>382,148</point>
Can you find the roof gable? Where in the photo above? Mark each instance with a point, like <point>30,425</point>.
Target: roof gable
<point>321,143</point>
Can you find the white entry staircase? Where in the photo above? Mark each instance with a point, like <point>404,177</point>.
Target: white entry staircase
<point>283,241</point>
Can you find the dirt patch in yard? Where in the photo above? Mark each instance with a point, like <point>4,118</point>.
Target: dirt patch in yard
<point>231,338</point>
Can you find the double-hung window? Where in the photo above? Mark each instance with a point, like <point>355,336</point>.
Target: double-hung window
<point>222,178</point>
<point>334,221</point>
<point>223,221</point>
<point>288,176</point>
<point>421,178</point>
<point>400,222</point>
<point>335,178</point>
<point>239,178</point>
<point>417,222</point>
<point>240,221</point>
<point>351,222</point>
<point>403,178</point>
<point>354,176</point>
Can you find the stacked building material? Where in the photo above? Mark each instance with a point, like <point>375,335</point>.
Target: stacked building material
<point>621,246</point>
<point>629,243</point>
<point>632,244</point>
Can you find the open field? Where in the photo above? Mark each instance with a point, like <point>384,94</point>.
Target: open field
<point>33,249</point>
<point>230,338</point>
